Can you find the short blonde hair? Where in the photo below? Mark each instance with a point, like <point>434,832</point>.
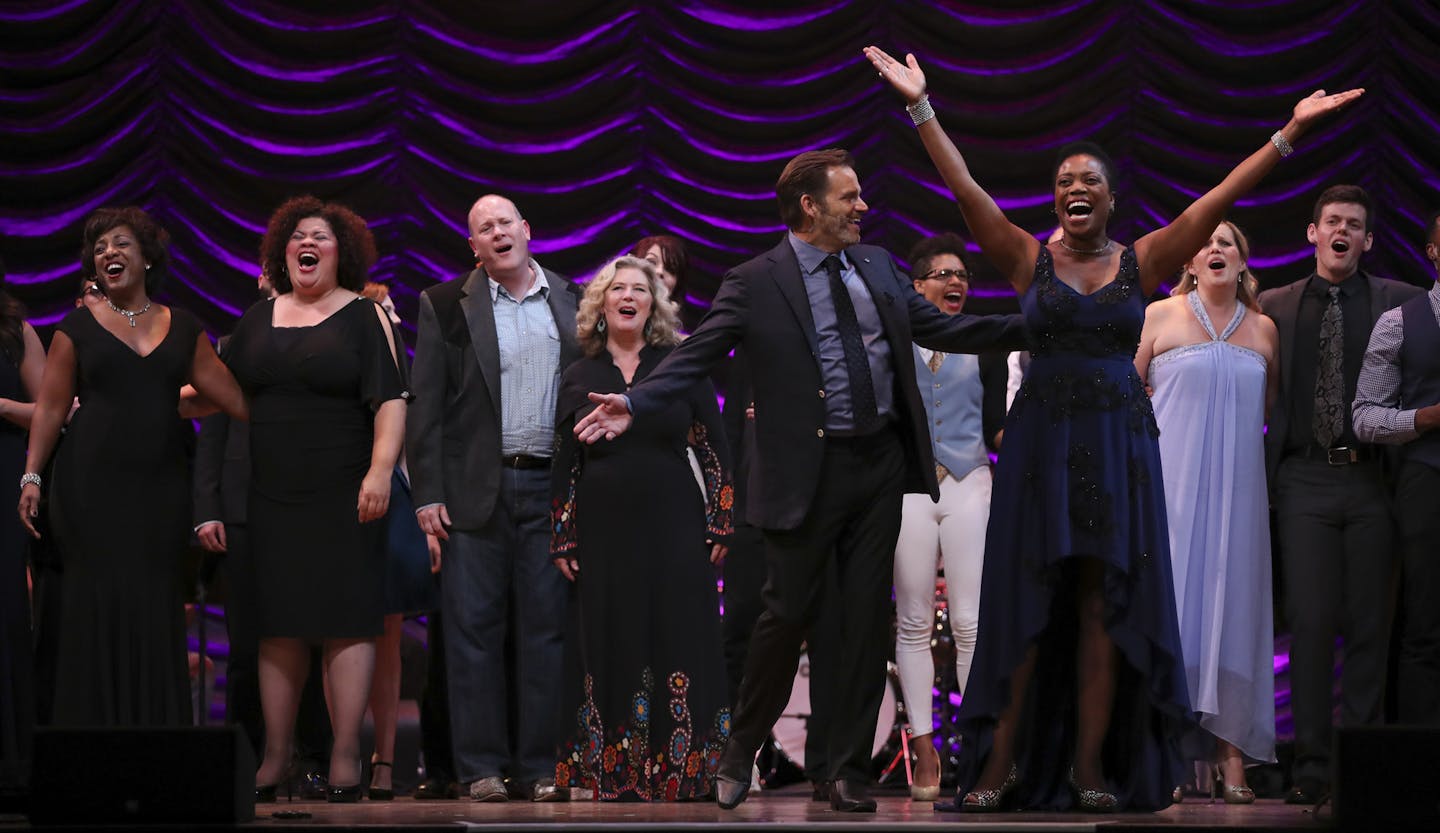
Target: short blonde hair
<point>662,329</point>
<point>1247,288</point>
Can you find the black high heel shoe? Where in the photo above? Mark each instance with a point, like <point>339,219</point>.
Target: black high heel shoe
<point>266,793</point>
<point>347,795</point>
<point>381,793</point>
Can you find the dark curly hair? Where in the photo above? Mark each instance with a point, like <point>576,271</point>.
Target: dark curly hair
<point>945,243</point>
<point>154,243</point>
<point>352,238</point>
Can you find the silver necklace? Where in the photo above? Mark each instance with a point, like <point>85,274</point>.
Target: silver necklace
<point>1074,251</point>
<point>129,316</point>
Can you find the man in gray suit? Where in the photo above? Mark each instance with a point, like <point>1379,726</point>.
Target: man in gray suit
<point>489,350</point>
<point>1332,506</point>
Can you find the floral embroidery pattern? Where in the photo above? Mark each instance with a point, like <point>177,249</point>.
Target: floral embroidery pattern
<point>564,536</point>
<point>719,491</point>
<point>620,762</point>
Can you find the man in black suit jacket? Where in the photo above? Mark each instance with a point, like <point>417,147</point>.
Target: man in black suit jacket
<point>489,349</point>
<point>1331,502</point>
<point>840,435</point>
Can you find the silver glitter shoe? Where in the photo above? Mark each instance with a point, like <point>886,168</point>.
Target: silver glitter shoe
<point>985,801</point>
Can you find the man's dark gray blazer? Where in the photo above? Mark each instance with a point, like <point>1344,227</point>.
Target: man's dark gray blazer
<point>452,432</point>
<point>1282,304</point>
<point>763,305</point>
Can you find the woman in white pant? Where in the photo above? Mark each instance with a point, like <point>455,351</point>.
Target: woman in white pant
<point>964,416</point>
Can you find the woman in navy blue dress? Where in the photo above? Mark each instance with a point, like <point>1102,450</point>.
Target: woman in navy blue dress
<point>1077,695</point>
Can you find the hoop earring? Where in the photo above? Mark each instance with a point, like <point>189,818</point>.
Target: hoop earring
<point>600,325</point>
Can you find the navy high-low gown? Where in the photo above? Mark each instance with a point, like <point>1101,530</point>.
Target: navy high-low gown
<point>1079,476</point>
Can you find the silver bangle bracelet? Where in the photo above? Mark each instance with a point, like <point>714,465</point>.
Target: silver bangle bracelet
<point>1282,144</point>
<point>921,111</point>
<point>28,478</point>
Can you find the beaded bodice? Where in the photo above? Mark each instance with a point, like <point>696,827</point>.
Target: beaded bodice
<point>1105,323</point>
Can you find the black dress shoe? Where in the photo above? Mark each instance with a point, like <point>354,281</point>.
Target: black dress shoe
<point>1306,791</point>
<point>728,793</point>
<point>851,797</point>
<point>437,789</point>
<point>820,791</point>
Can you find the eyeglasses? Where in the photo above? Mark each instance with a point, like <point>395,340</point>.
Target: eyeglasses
<point>946,274</point>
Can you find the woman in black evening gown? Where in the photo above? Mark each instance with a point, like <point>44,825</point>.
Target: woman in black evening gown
<point>644,714</point>
<point>318,364</point>
<point>120,496</point>
<point>22,360</point>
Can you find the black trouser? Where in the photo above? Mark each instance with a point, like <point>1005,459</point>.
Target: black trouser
<point>1336,537</point>
<point>744,602</point>
<point>435,705</point>
<point>851,528</point>
<point>1419,526</point>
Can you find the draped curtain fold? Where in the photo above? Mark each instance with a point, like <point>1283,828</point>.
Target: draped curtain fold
<point>608,121</point>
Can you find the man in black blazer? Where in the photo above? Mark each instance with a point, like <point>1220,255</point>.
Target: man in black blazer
<point>489,350</point>
<point>1331,501</point>
<point>826,326</point>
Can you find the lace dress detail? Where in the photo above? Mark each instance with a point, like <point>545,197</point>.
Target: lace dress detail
<point>1079,476</point>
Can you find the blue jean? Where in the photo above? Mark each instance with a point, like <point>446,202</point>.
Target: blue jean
<point>483,574</point>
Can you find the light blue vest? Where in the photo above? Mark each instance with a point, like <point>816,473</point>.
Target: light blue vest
<point>953,401</point>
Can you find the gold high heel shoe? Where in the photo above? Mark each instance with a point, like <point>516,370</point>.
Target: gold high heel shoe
<point>1231,793</point>
<point>924,793</point>
<point>984,801</point>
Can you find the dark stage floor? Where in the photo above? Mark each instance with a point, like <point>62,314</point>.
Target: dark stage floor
<point>786,809</point>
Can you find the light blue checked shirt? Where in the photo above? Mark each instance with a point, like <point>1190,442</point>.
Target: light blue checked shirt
<point>529,345</point>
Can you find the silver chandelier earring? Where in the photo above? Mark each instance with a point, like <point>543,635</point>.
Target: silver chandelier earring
<point>600,326</point>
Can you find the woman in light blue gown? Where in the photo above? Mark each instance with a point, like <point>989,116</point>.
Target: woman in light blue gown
<point>1210,357</point>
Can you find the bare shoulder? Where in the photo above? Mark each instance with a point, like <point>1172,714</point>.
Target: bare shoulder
<point>1160,311</point>
<point>1264,324</point>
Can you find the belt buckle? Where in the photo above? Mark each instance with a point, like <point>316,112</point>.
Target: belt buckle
<point>1342,456</point>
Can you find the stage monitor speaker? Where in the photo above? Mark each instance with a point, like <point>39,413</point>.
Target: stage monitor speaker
<point>1385,778</point>
<point>142,776</point>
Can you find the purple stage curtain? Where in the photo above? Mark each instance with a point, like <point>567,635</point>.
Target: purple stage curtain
<point>608,121</point>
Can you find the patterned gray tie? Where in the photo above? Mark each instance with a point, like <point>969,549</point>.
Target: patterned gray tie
<point>1328,425</point>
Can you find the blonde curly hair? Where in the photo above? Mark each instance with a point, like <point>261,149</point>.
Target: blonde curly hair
<point>662,329</point>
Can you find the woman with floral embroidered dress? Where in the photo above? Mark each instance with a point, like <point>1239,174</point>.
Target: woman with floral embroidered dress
<point>644,715</point>
<point>1077,694</point>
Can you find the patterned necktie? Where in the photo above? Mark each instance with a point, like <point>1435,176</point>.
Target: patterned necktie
<point>857,362</point>
<point>934,364</point>
<point>1328,425</point>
